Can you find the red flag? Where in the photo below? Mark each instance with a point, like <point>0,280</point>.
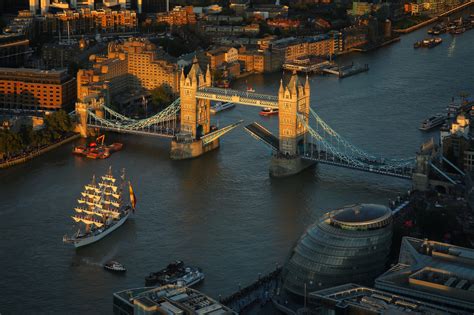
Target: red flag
<point>133,198</point>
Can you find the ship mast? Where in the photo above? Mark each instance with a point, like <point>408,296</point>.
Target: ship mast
<point>99,203</point>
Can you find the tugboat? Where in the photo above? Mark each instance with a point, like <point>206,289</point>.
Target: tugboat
<point>114,266</point>
<point>175,273</point>
<point>267,111</point>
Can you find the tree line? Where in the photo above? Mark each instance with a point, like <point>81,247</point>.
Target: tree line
<point>56,126</point>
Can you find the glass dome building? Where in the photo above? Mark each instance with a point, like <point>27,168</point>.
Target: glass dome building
<point>351,244</point>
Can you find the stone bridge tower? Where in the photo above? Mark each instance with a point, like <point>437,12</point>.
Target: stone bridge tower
<point>195,116</point>
<point>195,113</point>
<point>293,99</point>
<point>82,114</point>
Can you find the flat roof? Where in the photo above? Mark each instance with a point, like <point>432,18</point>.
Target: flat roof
<point>360,298</point>
<point>183,298</point>
<point>360,213</point>
<point>433,271</point>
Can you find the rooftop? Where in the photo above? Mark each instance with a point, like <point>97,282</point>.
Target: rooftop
<point>360,216</point>
<point>433,271</point>
<point>361,299</point>
<point>170,298</point>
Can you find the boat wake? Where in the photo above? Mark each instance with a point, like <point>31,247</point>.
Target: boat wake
<point>451,48</point>
<point>90,262</point>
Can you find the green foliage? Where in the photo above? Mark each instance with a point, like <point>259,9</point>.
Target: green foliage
<point>10,143</point>
<point>59,122</point>
<point>57,125</point>
<point>160,96</point>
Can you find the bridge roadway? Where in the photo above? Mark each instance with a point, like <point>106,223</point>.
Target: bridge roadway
<point>324,157</point>
<point>238,97</point>
<point>261,133</point>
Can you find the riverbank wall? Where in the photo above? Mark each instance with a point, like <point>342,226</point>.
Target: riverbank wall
<point>260,291</point>
<point>34,154</point>
<point>435,19</point>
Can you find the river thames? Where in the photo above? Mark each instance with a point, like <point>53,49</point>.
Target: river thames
<point>222,211</point>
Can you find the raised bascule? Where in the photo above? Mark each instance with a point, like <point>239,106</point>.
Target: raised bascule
<point>303,139</point>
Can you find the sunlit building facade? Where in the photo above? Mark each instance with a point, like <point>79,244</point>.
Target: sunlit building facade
<point>33,89</point>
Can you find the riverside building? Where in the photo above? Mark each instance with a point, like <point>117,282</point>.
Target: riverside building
<point>355,299</point>
<point>438,273</point>
<point>33,89</point>
<point>351,244</point>
<point>133,65</point>
<point>168,299</point>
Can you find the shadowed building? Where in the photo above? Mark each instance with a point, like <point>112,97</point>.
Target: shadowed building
<point>432,271</point>
<point>355,299</point>
<point>135,64</point>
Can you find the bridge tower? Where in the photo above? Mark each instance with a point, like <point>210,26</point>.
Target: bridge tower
<point>195,115</point>
<point>82,109</point>
<point>293,99</point>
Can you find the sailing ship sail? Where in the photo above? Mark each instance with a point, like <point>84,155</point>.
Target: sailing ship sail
<point>101,209</point>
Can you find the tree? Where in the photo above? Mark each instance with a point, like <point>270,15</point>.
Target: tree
<point>10,143</point>
<point>58,123</point>
<point>26,134</point>
<point>160,96</point>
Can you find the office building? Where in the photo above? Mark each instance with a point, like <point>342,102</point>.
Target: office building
<point>351,244</point>
<point>22,88</point>
<point>169,299</point>
<point>438,273</point>
<point>353,299</point>
<point>179,16</point>
<point>133,65</point>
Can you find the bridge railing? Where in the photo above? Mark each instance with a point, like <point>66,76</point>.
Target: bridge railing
<point>235,96</point>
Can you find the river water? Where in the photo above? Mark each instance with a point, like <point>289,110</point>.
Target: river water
<point>222,211</point>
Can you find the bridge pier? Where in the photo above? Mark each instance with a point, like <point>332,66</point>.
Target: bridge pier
<point>281,166</point>
<point>190,150</point>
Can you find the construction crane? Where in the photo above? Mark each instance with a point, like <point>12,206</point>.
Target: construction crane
<point>100,139</point>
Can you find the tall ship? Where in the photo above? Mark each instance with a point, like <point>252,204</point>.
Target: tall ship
<point>101,209</point>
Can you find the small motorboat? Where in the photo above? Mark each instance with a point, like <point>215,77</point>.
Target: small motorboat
<point>114,266</point>
<point>267,111</point>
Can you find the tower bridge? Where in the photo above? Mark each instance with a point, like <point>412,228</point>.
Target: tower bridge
<point>303,137</point>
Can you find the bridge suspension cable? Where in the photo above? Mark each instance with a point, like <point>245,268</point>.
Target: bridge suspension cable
<point>338,138</point>
<point>163,123</point>
<point>330,148</point>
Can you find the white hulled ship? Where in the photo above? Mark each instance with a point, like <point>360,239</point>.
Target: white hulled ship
<point>101,209</point>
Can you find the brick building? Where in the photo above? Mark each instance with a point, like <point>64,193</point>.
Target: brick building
<point>179,16</point>
<point>22,88</point>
